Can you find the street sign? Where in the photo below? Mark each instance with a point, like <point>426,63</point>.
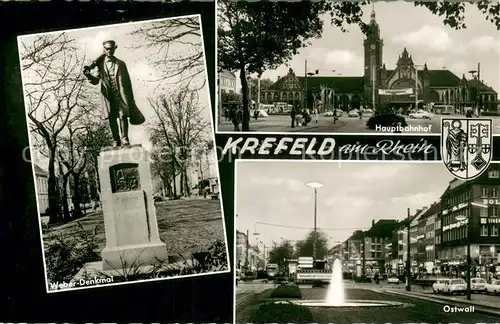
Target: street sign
<point>395,92</point>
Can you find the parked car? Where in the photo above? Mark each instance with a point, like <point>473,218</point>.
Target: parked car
<point>238,276</point>
<point>386,120</point>
<point>438,285</point>
<point>328,114</point>
<point>353,113</point>
<point>478,285</point>
<point>367,111</point>
<point>420,114</point>
<point>261,114</point>
<point>393,280</point>
<point>493,287</point>
<point>455,286</point>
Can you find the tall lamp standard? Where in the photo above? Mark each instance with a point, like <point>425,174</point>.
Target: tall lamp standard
<point>463,218</point>
<point>315,186</point>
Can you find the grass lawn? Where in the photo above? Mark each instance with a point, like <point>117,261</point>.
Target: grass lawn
<point>244,311</point>
<point>186,226</point>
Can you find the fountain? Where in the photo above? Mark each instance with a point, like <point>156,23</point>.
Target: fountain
<point>335,297</point>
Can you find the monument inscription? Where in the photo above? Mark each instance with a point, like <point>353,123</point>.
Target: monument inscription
<point>130,221</point>
<point>124,177</point>
<point>131,225</point>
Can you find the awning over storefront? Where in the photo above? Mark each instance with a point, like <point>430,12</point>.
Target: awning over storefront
<point>395,92</point>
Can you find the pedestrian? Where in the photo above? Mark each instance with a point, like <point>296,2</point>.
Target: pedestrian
<point>292,115</point>
<point>360,113</point>
<point>335,116</point>
<point>235,119</point>
<point>256,114</point>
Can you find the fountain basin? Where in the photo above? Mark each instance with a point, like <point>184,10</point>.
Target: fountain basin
<point>345,304</point>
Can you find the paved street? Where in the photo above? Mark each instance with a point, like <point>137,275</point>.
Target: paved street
<point>245,290</point>
<point>281,124</point>
<point>419,305</point>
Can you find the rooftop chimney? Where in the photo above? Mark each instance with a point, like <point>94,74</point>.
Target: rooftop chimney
<point>373,222</point>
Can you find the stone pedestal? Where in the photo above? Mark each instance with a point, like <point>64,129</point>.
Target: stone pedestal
<point>132,238</point>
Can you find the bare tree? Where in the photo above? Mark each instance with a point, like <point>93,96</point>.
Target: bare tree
<point>181,122</point>
<point>63,189</point>
<point>54,95</point>
<point>179,50</point>
<point>163,162</point>
<point>72,155</point>
<point>202,152</point>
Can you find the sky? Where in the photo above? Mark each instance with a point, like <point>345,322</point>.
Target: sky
<point>402,24</point>
<point>354,194</point>
<point>142,73</point>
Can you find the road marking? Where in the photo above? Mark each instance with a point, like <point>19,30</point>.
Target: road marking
<point>481,308</point>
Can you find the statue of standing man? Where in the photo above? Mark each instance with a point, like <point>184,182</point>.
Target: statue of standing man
<point>116,90</point>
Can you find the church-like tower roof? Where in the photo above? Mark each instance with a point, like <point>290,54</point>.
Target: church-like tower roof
<point>405,59</point>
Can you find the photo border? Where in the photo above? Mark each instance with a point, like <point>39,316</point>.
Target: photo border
<point>240,161</point>
<point>217,131</point>
<point>207,86</point>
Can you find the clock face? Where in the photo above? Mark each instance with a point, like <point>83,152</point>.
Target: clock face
<point>372,46</point>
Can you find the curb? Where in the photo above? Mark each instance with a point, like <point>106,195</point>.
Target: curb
<point>477,307</point>
<point>310,128</point>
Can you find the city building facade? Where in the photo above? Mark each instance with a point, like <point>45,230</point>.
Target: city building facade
<point>374,245</point>
<point>426,238</point>
<point>354,255</point>
<point>406,86</point>
<point>42,191</point>
<point>438,240</point>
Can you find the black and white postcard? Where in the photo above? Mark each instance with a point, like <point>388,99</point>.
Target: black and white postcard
<point>364,68</point>
<point>363,242</point>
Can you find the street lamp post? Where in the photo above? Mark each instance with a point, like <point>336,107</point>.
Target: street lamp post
<point>408,252</point>
<point>462,218</point>
<point>374,79</point>
<point>315,186</point>
<point>306,75</point>
<point>476,74</point>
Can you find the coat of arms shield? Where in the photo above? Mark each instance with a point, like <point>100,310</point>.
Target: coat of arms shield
<point>466,146</point>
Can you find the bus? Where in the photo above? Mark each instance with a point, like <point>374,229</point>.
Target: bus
<point>443,109</point>
<point>272,270</point>
<point>266,107</point>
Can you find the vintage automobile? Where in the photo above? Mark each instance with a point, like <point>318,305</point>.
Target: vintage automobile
<point>493,287</point>
<point>478,285</point>
<point>329,113</point>
<point>393,280</point>
<point>420,114</point>
<point>353,113</point>
<point>454,286</point>
<point>438,285</point>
